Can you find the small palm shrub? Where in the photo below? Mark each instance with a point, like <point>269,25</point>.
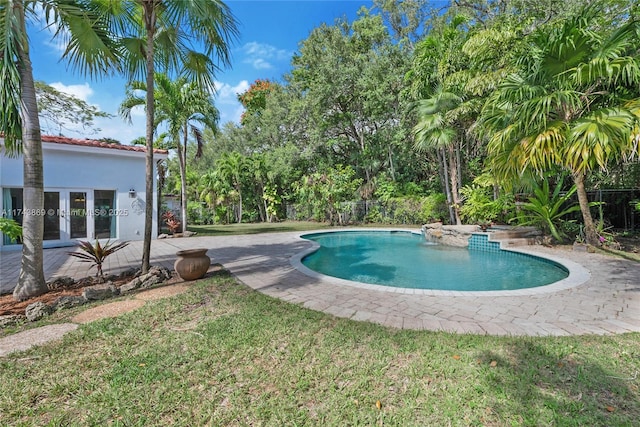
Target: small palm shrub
<point>546,209</point>
<point>10,228</point>
<point>96,254</point>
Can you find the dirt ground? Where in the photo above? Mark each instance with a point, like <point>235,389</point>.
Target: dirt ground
<point>629,244</point>
<point>10,306</point>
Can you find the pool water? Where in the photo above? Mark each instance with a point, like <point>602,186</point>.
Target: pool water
<point>405,260</point>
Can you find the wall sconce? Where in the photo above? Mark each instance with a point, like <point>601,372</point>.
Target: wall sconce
<point>132,194</point>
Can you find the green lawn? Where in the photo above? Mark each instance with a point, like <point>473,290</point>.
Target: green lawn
<point>255,228</point>
<point>225,355</point>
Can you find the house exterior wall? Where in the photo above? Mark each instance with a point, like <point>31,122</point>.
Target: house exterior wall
<point>73,169</point>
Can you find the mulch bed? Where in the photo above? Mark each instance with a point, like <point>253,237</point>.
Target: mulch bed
<point>9,306</point>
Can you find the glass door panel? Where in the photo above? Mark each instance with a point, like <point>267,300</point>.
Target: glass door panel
<point>52,215</point>
<point>78,214</point>
<point>104,219</point>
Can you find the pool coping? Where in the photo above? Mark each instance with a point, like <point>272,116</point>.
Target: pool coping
<point>578,274</point>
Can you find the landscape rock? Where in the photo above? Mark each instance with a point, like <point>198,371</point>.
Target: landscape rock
<point>10,320</point>
<point>163,236</point>
<point>189,233</point>
<point>100,292</point>
<point>37,311</point>
<point>129,272</point>
<point>63,282</point>
<point>68,301</point>
<point>451,235</point>
<point>155,275</point>
<point>89,281</point>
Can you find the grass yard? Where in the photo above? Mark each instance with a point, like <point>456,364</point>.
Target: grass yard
<point>225,355</point>
<point>255,228</point>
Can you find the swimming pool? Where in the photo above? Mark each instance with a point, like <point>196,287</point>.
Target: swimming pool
<point>403,259</point>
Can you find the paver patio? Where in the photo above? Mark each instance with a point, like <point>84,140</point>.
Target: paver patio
<point>603,298</point>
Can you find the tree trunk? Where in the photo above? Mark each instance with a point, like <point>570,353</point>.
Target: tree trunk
<point>182,160</point>
<point>150,25</point>
<point>31,281</point>
<point>591,236</point>
<point>445,180</point>
<point>391,166</point>
<point>239,204</point>
<point>161,177</point>
<point>455,184</point>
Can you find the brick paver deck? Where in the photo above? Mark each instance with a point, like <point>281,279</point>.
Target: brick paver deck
<point>602,295</point>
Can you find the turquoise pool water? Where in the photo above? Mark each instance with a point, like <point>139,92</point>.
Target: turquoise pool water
<point>405,260</point>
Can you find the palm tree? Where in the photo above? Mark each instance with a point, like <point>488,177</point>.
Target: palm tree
<point>447,108</point>
<point>232,166</point>
<point>212,189</point>
<point>437,131</point>
<point>574,104</point>
<point>163,33</point>
<point>89,49</point>
<point>179,103</point>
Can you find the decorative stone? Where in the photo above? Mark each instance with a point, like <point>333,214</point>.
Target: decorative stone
<point>61,283</point>
<point>68,301</point>
<point>10,320</point>
<point>192,264</point>
<point>450,235</point>
<point>154,276</point>
<point>37,311</point>
<point>100,292</point>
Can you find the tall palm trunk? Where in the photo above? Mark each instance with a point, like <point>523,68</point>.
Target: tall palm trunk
<point>238,189</point>
<point>31,281</point>
<point>444,176</point>
<point>161,178</point>
<point>454,175</point>
<point>591,235</point>
<point>182,161</point>
<point>150,28</point>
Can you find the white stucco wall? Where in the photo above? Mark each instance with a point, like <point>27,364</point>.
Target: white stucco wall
<point>73,167</point>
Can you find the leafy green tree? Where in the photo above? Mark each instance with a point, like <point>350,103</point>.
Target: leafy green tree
<point>405,18</point>
<point>324,195</point>
<point>443,114</point>
<point>349,78</point>
<point>179,104</point>
<point>233,167</point>
<point>164,33</point>
<point>574,104</point>
<point>254,99</point>
<point>88,49</point>
<point>61,110</point>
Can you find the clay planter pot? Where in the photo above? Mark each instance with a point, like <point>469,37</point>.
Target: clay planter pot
<point>192,264</point>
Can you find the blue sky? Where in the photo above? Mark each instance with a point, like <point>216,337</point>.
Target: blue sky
<point>270,32</point>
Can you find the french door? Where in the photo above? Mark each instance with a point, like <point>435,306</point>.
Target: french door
<point>66,215</point>
<point>69,214</point>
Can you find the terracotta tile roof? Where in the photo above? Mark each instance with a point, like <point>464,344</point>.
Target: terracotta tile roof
<point>98,144</point>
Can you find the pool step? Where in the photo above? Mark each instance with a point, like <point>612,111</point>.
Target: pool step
<point>516,236</point>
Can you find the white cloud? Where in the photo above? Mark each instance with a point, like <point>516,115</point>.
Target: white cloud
<point>227,94</point>
<point>82,92</point>
<point>227,100</point>
<point>261,55</point>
